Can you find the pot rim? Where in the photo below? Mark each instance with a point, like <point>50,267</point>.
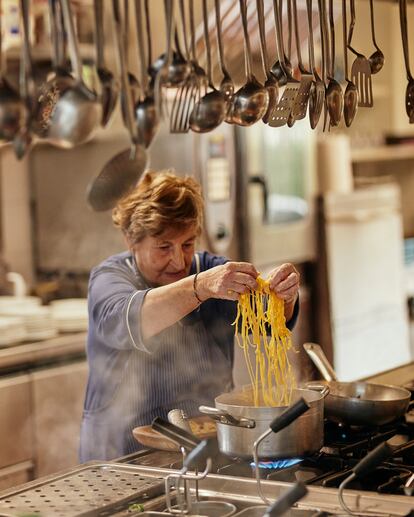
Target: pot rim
<point>312,397</point>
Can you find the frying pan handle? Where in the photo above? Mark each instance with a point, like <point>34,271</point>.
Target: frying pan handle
<point>320,360</point>
<point>287,500</point>
<point>225,418</point>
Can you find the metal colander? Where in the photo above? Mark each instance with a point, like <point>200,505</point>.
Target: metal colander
<point>95,490</point>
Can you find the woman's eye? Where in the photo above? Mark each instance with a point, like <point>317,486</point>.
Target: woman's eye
<point>164,248</point>
<point>188,245</point>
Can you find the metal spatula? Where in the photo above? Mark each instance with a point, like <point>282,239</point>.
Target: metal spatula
<point>360,70</point>
<point>281,111</point>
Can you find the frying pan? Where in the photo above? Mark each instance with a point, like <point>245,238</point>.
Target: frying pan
<point>358,403</point>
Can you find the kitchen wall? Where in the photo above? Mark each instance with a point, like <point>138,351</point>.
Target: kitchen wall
<point>47,189</point>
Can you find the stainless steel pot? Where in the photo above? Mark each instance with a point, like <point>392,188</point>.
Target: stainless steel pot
<point>239,424</point>
<point>358,403</point>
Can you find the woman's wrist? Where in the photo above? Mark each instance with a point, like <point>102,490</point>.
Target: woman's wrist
<point>199,291</point>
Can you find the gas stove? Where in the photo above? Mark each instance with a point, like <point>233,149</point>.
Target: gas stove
<point>343,447</point>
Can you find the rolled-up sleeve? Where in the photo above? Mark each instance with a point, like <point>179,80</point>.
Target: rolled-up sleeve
<point>115,309</point>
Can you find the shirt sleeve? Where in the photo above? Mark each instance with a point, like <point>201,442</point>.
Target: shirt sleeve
<point>115,308</point>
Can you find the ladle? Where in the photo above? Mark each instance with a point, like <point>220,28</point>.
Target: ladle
<point>121,173</point>
<point>13,111</point>
<point>271,83</point>
<point>162,78</point>
<point>250,102</point>
<point>377,59</point>
<point>109,84</point>
<point>68,112</point>
<point>334,96</point>
<point>210,110</point>
<point>146,114</point>
<point>178,68</point>
<point>351,91</point>
<point>226,86</point>
<point>24,138</point>
<point>409,92</point>
<point>282,65</point>
<point>317,91</point>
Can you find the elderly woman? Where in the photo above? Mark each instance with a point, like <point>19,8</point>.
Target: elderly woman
<point>160,334</point>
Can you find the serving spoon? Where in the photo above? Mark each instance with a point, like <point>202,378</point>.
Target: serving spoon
<point>210,110</point>
<point>377,59</point>
<point>251,100</point>
<point>351,91</point>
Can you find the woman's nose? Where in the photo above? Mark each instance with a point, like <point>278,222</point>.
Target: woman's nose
<point>177,259</point>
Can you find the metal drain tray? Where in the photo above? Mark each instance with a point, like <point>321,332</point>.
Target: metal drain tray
<point>99,489</point>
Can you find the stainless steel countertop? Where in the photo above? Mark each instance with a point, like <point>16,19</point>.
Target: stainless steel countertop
<point>41,351</point>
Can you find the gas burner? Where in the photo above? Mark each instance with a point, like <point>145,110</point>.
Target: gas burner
<point>277,464</point>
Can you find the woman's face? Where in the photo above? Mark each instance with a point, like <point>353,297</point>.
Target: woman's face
<point>166,258</point>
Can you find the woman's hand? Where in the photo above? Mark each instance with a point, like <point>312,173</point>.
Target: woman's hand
<point>284,281</point>
<point>227,281</point>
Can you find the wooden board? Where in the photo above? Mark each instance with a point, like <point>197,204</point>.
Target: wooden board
<point>202,427</point>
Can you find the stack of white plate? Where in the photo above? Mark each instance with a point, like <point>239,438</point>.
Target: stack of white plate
<point>37,321</point>
<point>71,314</point>
<point>19,301</point>
<point>12,331</point>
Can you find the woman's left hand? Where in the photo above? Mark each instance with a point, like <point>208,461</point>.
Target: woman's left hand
<point>284,281</point>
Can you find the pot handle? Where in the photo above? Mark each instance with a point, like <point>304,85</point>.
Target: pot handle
<point>320,360</point>
<point>225,418</point>
<point>322,388</point>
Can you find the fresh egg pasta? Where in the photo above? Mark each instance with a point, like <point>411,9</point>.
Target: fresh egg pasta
<point>262,324</point>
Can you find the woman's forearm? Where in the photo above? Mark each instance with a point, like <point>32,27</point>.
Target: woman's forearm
<point>163,306</point>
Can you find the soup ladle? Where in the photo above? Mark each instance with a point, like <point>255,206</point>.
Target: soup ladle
<point>210,110</point>
<point>226,86</point>
<point>250,101</point>
<point>351,91</point>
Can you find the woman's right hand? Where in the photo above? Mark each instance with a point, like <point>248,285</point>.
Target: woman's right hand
<point>227,281</point>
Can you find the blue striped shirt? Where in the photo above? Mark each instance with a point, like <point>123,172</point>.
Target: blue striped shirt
<point>131,381</point>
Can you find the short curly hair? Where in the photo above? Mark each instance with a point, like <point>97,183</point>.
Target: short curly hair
<point>161,201</point>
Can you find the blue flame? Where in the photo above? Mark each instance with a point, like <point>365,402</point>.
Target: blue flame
<point>278,464</point>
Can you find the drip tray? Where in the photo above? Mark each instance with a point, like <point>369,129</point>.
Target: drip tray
<point>95,490</point>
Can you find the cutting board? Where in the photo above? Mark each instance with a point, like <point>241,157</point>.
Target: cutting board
<point>201,426</point>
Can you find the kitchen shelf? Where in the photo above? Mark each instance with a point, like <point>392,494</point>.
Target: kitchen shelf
<point>383,153</point>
